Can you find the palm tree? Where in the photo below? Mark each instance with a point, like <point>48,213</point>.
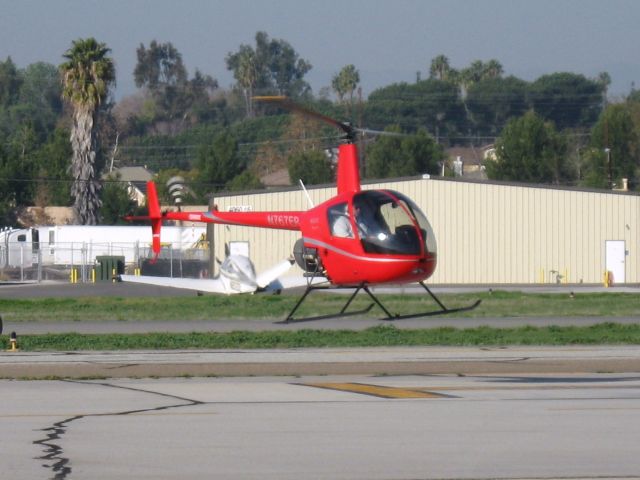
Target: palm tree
<point>440,68</point>
<point>345,83</point>
<point>492,69</point>
<point>247,76</point>
<point>244,64</point>
<point>86,77</point>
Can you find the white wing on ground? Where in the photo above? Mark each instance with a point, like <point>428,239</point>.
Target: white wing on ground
<point>273,273</point>
<point>214,285</point>
<point>238,279</point>
<point>295,281</point>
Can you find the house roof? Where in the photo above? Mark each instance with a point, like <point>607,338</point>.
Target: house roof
<point>131,174</point>
<point>279,178</point>
<point>469,155</point>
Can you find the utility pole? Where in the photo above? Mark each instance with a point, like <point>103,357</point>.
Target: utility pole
<point>609,169</point>
<point>361,149</point>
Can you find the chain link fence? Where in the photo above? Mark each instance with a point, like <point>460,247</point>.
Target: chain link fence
<point>86,262</point>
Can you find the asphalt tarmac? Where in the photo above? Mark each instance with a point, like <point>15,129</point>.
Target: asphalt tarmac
<point>323,361</point>
<point>368,413</point>
<point>569,426</point>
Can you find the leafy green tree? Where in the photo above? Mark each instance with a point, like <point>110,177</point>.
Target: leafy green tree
<point>53,162</point>
<point>493,101</point>
<point>615,149</point>
<point>40,95</point>
<point>159,66</point>
<point>246,180</point>
<point>116,202</point>
<point>430,104</point>
<point>634,96</point>
<point>15,175</point>
<point>287,69</point>
<point>87,74</point>
<point>399,155</point>
<point>21,147</point>
<point>160,69</point>
<point>569,100</point>
<point>530,150</point>
<point>7,193</point>
<point>10,81</point>
<point>273,66</point>
<point>313,167</point>
<point>218,163</point>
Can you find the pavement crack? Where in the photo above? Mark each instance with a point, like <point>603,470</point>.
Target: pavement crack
<point>54,457</point>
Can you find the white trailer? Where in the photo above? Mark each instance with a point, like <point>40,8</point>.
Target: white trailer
<point>17,247</point>
<point>79,244</point>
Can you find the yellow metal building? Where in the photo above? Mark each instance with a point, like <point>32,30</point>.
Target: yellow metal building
<point>487,233</point>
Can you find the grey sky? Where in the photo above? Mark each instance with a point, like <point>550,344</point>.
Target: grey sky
<point>387,41</point>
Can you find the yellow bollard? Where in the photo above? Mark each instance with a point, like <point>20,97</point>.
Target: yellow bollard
<point>607,279</point>
<point>13,342</point>
<point>93,275</point>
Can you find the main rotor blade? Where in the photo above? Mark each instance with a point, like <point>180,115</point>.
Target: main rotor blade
<point>287,104</point>
<point>380,132</point>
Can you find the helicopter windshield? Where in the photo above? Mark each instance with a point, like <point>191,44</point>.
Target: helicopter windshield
<point>390,223</point>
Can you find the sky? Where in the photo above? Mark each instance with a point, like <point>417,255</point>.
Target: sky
<point>388,41</point>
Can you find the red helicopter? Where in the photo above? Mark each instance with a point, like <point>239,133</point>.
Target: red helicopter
<point>356,239</point>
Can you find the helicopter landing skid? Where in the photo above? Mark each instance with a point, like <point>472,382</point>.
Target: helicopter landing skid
<point>343,313</point>
<point>443,309</point>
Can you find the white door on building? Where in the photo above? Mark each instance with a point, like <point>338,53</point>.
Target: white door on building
<point>615,256</point>
<point>239,248</point>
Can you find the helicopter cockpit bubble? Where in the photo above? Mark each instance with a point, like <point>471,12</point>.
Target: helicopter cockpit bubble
<point>390,223</point>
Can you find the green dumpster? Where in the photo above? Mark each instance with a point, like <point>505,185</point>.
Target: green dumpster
<point>108,267</point>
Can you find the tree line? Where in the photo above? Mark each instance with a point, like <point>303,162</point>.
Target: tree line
<point>61,130</point>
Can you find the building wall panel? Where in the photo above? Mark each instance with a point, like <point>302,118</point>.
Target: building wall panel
<point>486,233</point>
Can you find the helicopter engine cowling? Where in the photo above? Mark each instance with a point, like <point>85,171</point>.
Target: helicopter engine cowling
<point>307,257</point>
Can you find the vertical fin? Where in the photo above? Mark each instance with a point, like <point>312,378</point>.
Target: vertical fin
<point>155,215</point>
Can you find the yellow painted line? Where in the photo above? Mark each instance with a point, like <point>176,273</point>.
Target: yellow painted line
<point>481,388</point>
<point>376,390</point>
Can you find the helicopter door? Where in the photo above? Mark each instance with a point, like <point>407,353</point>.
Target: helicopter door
<point>339,221</point>
<point>385,226</point>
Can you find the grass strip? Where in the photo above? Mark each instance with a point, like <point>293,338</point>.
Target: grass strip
<point>211,307</point>
<point>385,335</point>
